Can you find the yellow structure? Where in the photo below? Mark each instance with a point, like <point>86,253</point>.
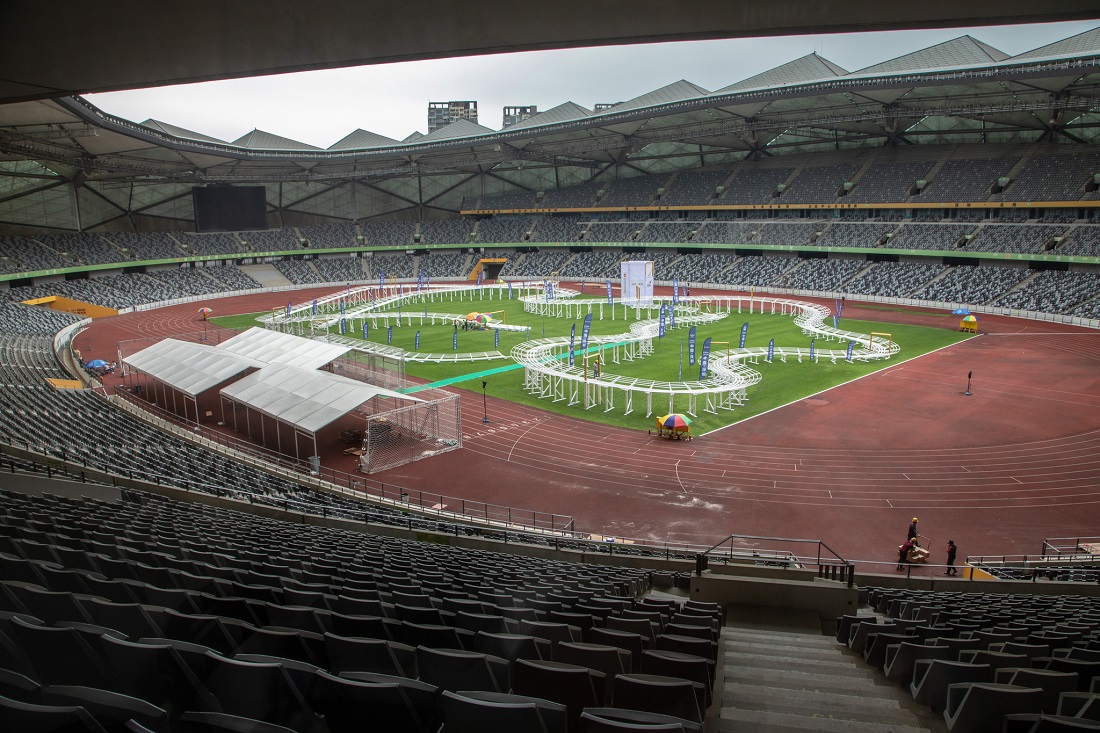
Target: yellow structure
<point>969,324</point>
<point>481,266</point>
<point>72,306</point>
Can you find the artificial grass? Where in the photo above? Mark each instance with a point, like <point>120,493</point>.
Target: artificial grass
<point>782,383</point>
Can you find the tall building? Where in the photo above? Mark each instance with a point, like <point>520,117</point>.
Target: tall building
<point>512,115</point>
<point>441,114</point>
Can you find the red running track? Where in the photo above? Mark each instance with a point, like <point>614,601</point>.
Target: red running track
<point>998,471</point>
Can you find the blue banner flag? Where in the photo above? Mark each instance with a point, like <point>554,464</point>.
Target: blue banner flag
<point>496,338</point>
<point>389,334</point>
<point>341,306</point>
<point>584,332</point>
<point>454,341</point>
<point>691,347</point>
<point>704,359</point>
<point>661,327</point>
<point>771,350</point>
<point>314,306</point>
<point>416,341</point>
<point>349,291</point>
<point>848,358</point>
<point>744,333</point>
<point>812,352</point>
<point>680,373</point>
<point>610,294</point>
<point>835,321</point>
<point>288,310</point>
<point>510,296</point>
<point>683,291</point>
<point>582,284</point>
<point>675,292</point>
<point>420,280</point>
<point>480,276</point>
<point>839,307</point>
<point>343,326</point>
<point>381,279</point>
<point>366,330</point>
<point>572,336</point>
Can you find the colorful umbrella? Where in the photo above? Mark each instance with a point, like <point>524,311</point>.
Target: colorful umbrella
<point>675,421</point>
<point>96,364</point>
<point>472,316</point>
<point>483,318</point>
<point>204,309</point>
<point>970,319</point>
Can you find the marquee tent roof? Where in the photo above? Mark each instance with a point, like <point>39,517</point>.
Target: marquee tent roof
<point>188,367</point>
<point>275,347</point>
<point>309,400</point>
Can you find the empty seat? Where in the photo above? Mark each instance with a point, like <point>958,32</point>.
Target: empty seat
<point>900,658</point>
<point>473,712</point>
<point>31,718</point>
<point>573,686</point>
<point>620,720</point>
<point>420,697</point>
<point>631,642</point>
<point>111,709</point>
<point>679,698</point>
<point>1052,683</point>
<point>973,707</point>
<point>369,655</point>
<point>450,669</point>
<point>932,677</point>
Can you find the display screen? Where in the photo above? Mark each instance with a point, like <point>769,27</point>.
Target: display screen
<point>230,208</point>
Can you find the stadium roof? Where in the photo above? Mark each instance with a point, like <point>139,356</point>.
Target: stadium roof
<point>962,91</point>
<point>92,47</point>
<point>808,68</point>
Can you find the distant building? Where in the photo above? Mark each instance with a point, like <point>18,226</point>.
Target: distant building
<point>512,115</point>
<point>441,114</point>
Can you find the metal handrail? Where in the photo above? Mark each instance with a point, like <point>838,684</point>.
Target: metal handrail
<point>360,487</point>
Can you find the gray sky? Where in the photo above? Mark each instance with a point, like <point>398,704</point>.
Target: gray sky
<point>321,107</point>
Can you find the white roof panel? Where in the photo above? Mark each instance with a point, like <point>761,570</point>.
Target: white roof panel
<point>307,399</point>
<point>188,367</point>
<point>275,347</point>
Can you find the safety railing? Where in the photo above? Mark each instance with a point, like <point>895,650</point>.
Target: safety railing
<point>780,552</point>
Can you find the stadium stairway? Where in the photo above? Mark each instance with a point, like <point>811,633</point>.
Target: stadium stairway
<point>266,275</point>
<point>785,681</point>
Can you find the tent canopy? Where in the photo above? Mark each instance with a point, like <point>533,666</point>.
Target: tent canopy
<point>188,367</point>
<point>307,399</point>
<point>275,347</point>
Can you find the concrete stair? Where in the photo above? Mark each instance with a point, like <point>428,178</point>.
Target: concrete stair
<point>783,682</point>
<point>265,274</point>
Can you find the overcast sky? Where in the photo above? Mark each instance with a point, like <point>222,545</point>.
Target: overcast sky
<point>321,107</point>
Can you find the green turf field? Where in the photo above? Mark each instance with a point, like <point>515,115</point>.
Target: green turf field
<point>782,383</point>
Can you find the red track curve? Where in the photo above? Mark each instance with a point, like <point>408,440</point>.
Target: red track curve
<point>997,471</point>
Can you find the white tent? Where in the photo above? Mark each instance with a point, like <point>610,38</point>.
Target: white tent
<point>188,368</point>
<point>275,347</point>
<point>305,399</point>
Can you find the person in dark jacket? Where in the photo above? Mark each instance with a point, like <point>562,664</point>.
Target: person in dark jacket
<point>912,529</point>
<point>903,553</point>
<point>952,550</point>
